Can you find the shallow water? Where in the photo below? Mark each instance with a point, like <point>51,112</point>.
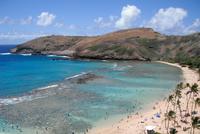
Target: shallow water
<point>120,88</point>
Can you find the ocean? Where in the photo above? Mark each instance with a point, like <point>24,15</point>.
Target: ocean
<point>54,95</point>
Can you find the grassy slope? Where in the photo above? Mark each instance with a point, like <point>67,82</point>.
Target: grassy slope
<point>135,44</point>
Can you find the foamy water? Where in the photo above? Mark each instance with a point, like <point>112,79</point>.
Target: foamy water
<point>37,93</point>
<point>58,56</point>
<point>25,54</point>
<point>5,53</point>
<point>75,76</point>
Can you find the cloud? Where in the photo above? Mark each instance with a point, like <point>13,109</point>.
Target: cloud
<point>105,23</point>
<point>26,20</point>
<point>167,19</point>
<point>59,25</point>
<point>129,14</point>
<point>196,23</point>
<point>101,23</point>
<point>45,19</point>
<point>16,35</point>
<point>98,20</point>
<point>112,18</point>
<point>6,20</point>
<point>194,27</point>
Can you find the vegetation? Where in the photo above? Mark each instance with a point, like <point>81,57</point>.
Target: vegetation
<point>199,72</point>
<point>183,59</point>
<point>170,116</point>
<point>118,49</point>
<point>187,114</point>
<point>195,124</point>
<point>173,131</point>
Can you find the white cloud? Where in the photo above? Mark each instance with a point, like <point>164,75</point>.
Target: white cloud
<point>59,25</point>
<point>196,23</point>
<point>112,18</point>
<point>45,19</point>
<point>194,27</point>
<point>98,20</point>
<point>26,20</point>
<point>6,20</point>
<point>105,23</point>
<point>167,19</point>
<point>17,35</point>
<point>101,23</point>
<point>129,14</point>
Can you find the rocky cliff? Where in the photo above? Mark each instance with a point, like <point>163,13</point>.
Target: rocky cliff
<point>130,44</point>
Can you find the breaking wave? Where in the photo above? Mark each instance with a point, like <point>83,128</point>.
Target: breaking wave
<point>26,54</point>
<point>58,56</point>
<point>77,75</point>
<point>5,53</point>
<point>37,93</point>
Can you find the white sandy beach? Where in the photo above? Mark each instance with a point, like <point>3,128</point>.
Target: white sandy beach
<point>135,124</point>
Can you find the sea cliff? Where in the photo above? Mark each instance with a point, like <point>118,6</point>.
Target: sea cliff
<point>130,44</point>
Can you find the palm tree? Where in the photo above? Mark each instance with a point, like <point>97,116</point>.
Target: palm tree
<point>194,91</point>
<point>179,107</point>
<point>177,100</point>
<point>188,100</point>
<point>188,93</point>
<point>188,85</point>
<point>177,94</point>
<point>195,124</point>
<point>179,86</point>
<point>197,103</point>
<point>171,115</point>
<point>173,131</point>
<point>169,100</point>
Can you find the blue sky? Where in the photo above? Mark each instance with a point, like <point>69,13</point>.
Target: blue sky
<point>22,20</point>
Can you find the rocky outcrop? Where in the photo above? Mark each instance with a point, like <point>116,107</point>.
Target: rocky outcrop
<point>131,44</point>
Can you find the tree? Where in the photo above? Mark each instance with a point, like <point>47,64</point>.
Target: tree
<point>194,91</point>
<point>177,100</point>
<point>188,100</point>
<point>195,124</point>
<point>188,85</point>
<point>179,107</point>
<point>179,86</point>
<point>171,115</point>
<point>169,100</point>
<point>188,96</point>
<point>197,103</point>
<point>173,131</point>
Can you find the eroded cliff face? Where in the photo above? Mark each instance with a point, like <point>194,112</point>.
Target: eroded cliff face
<point>131,44</point>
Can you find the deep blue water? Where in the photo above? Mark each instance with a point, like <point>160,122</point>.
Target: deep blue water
<point>6,48</point>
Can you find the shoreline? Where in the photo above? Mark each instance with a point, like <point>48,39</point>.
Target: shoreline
<point>189,75</point>
<point>136,122</point>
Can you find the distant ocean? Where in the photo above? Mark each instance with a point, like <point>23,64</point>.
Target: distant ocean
<point>6,48</point>
<point>121,88</point>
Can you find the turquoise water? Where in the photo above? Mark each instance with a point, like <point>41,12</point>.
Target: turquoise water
<point>120,88</point>
<point>20,74</point>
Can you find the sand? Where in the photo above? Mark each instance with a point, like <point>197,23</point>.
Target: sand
<point>135,123</point>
